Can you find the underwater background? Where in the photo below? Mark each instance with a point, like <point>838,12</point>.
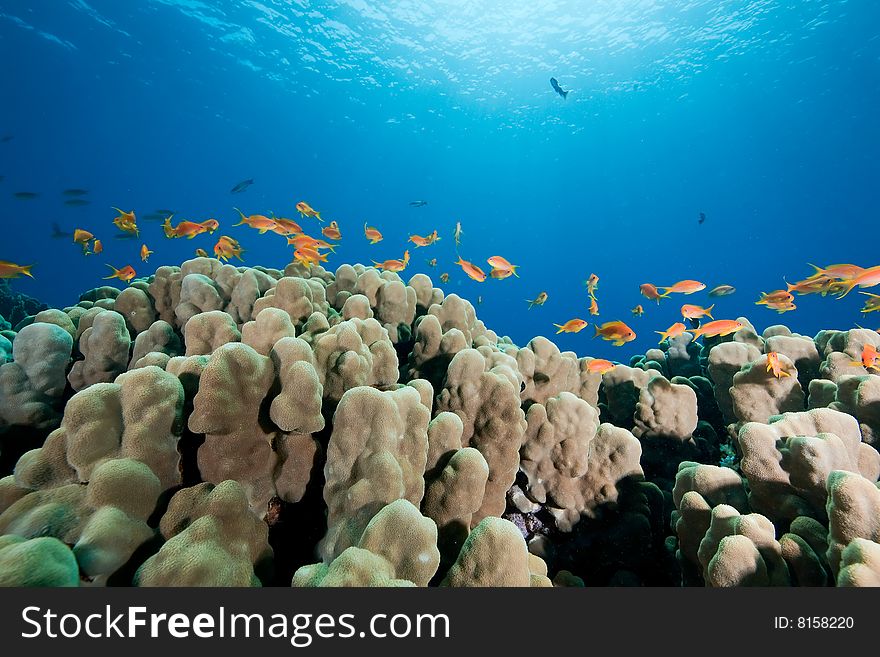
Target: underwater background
<point>759,114</point>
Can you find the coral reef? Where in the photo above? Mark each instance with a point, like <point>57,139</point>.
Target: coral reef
<point>214,425</point>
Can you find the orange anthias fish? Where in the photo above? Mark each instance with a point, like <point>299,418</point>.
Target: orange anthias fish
<point>600,366</point>
<point>309,256</point>
<point>689,311</point>
<point>843,272</point>
<point>501,274</point>
<point>720,327</point>
<point>210,225</point>
<point>418,240</point>
<point>332,231</point>
<point>869,357</point>
<point>125,274</point>
<point>773,365</point>
<point>672,332</point>
<point>11,270</point>
<point>866,278</point>
<point>592,284</point>
<point>82,237</point>
<point>471,270</point>
<point>684,287</point>
<point>457,233</point>
<point>97,247</point>
<point>539,300</point>
<point>616,332</point>
<point>638,311</point>
<point>776,296</point>
<point>145,253</point>
<point>260,222</point>
<point>872,303</point>
<point>126,221</point>
<point>393,265</point>
<point>226,248</point>
<point>372,234</point>
<point>594,306</point>
<point>305,210</point>
<point>502,265</point>
<point>187,229</point>
<point>819,285</point>
<point>649,291</point>
<point>202,253</point>
<point>572,326</point>
<point>444,277</point>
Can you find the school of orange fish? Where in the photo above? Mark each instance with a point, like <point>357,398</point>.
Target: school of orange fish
<point>837,280</point>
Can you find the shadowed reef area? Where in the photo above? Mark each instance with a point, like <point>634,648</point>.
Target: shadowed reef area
<point>236,426</point>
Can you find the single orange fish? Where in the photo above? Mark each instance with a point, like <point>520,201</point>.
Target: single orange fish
<point>444,277</point>
<point>684,287</point>
<point>187,229</point>
<point>82,237</point>
<point>309,256</point>
<point>393,265</point>
<point>782,306</point>
<point>210,225</point>
<point>572,326</point>
<point>592,284</point>
<point>649,291</point>
<point>145,252</point>
<point>372,234</point>
<point>720,327</point>
<point>773,365</point>
<point>775,297</point>
<point>672,332</point>
<point>471,270</point>
<point>332,231</point>
<point>539,300</point>
<point>260,222</point>
<point>126,221</point>
<point>11,270</point>
<point>418,240</point>
<point>497,262</point>
<point>638,311</point>
<point>125,274</point>
<point>600,366</point>
<point>501,274</point>
<point>616,332</point>
<point>285,227</point>
<point>305,210</point>
<point>869,357</point>
<point>97,247</point>
<point>844,272</point>
<point>594,306</point>
<point>820,285</point>
<point>695,312</point>
<point>202,253</point>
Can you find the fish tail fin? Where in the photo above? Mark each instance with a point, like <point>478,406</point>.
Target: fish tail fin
<point>709,311</point>
<point>242,217</point>
<point>113,275</point>
<point>598,331</point>
<point>531,303</point>
<point>560,327</point>
<point>26,270</point>
<point>513,269</point>
<point>564,94</point>
<point>817,271</point>
<point>847,287</point>
<point>663,336</point>
<point>697,333</point>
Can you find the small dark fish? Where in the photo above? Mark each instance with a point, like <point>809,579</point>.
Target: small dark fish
<point>58,234</point>
<point>125,236</point>
<point>555,84</point>
<point>702,218</point>
<point>418,204</point>
<point>25,196</point>
<point>6,138</point>
<point>76,202</point>
<point>75,192</point>
<point>243,185</point>
<point>165,213</point>
<point>155,216</point>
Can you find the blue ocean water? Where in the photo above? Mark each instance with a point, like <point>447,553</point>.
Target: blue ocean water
<point>761,114</point>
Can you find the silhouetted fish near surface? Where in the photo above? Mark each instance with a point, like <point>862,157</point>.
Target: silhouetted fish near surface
<point>76,202</point>
<point>25,196</point>
<point>555,84</point>
<point>75,192</point>
<point>702,218</point>
<point>418,204</point>
<point>243,185</point>
<point>58,234</point>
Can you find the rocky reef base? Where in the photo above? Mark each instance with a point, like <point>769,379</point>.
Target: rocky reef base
<point>221,425</point>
